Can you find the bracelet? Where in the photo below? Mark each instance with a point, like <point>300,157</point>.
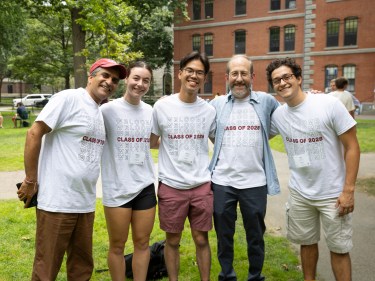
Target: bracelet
<point>30,182</point>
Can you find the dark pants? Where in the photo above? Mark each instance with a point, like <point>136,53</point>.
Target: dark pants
<point>253,205</point>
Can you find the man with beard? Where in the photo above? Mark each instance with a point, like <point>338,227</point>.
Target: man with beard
<point>243,170</point>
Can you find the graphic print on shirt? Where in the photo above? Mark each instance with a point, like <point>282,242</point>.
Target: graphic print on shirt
<point>133,138</point>
<point>243,129</point>
<point>92,142</point>
<point>185,137</point>
<point>304,142</point>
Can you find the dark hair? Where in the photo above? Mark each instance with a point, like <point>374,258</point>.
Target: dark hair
<point>289,62</point>
<point>195,55</point>
<point>341,83</point>
<point>138,63</point>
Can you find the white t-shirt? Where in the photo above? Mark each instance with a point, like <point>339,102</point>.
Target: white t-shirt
<point>310,132</point>
<point>127,165</point>
<point>240,162</point>
<point>184,129</point>
<point>69,162</point>
<point>345,97</point>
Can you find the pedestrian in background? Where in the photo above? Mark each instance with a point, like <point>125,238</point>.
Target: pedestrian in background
<point>344,96</point>
<point>20,115</point>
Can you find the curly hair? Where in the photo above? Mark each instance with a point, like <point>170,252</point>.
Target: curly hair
<point>289,62</point>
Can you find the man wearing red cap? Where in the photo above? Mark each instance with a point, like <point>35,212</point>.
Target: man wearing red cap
<point>62,157</point>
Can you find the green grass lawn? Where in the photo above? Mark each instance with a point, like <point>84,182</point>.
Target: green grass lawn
<point>17,240</point>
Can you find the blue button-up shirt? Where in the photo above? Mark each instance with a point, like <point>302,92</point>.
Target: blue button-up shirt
<point>264,105</point>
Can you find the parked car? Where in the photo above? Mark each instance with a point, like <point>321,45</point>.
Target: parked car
<point>33,100</point>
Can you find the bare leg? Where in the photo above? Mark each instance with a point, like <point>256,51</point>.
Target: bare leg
<point>309,259</point>
<point>203,253</point>
<point>118,221</point>
<point>172,255</point>
<point>341,266</point>
<point>142,223</point>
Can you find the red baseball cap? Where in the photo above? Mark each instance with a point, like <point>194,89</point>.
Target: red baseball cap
<point>108,63</point>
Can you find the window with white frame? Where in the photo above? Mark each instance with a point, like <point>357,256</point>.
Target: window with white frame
<point>197,42</point>
<point>348,72</point>
<point>290,4</point>
<point>350,31</point>
<point>196,9</point>
<point>274,39</point>
<point>275,5</point>
<point>209,9</point>
<point>208,44</point>
<point>240,7</point>
<point>333,27</point>
<point>208,83</point>
<point>240,42</point>
<point>330,73</point>
<point>289,37</point>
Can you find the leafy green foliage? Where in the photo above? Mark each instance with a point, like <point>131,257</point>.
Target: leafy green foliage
<point>45,53</point>
<point>11,29</point>
<point>64,37</point>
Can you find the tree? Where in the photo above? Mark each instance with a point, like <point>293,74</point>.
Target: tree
<point>119,29</point>
<point>45,52</point>
<point>11,28</point>
<point>151,26</point>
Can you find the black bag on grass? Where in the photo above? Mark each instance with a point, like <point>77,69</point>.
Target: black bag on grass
<point>156,267</point>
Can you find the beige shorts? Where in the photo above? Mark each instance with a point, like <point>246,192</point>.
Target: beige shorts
<point>303,219</point>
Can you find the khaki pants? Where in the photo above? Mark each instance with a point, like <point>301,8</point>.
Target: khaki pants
<point>58,233</point>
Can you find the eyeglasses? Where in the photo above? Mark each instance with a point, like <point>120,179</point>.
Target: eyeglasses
<point>285,78</point>
<point>190,71</point>
<point>236,74</point>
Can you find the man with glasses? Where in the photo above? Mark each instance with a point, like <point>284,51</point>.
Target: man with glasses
<point>243,170</point>
<point>62,159</point>
<point>323,153</point>
<point>184,122</point>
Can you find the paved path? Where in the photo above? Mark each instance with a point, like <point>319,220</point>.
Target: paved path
<point>363,257</point>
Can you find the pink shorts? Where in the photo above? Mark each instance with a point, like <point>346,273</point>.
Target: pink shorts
<point>177,204</point>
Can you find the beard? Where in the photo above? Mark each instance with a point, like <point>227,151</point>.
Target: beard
<point>240,93</point>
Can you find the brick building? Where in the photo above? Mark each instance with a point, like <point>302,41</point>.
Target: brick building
<point>328,38</point>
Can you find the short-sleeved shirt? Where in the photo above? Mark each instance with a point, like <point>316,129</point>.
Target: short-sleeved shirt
<point>69,162</point>
<point>184,129</point>
<point>310,132</point>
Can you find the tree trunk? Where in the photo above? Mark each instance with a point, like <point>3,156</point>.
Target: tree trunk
<point>67,81</point>
<point>1,85</point>
<point>79,60</point>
